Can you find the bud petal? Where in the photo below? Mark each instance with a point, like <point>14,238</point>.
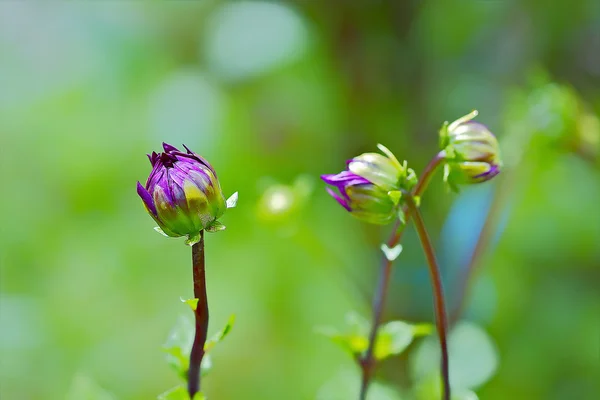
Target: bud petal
<point>472,152</point>
<point>182,193</point>
<point>376,168</point>
<point>371,187</point>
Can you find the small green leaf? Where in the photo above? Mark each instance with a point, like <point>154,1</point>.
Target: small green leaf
<point>232,200</point>
<point>473,357</point>
<point>391,253</point>
<point>206,365</point>
<point>193,303</point>
<point>176,393</point>
<point>354,344</point>
<point>355,341</point>
<point>217,337</point>
<point>346,385</point>
<point>84,388</point>
<point>431,388</point>
<point>193,239</point>
<point>215,227</point>
<point>159,230</point>
<point>179,393</point>
<point>395,336</point>
<point>179,345</point>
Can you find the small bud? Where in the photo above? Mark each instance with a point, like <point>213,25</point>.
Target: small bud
<point>182,193</point>
<point>370,188</point>
<point>472,152</point>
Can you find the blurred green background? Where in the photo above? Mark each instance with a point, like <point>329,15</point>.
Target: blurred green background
<point>275,94</point>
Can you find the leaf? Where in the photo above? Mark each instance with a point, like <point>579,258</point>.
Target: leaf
<point>473,357</point>
<point>177,393</point>
<point>217,337</point>
<point>346,385</point>
<point>354,344</point>
<point>84,388</point>
<point>391,253</point>
<point>395,336</point>
<point>193,303</point>
<point>392,339</point>
<point>179,345</point>
<point>232,200</point>
<point>215,227</point>
<point>432,389</point>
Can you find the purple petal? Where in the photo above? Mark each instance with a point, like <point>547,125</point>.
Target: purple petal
<point>489,174</point>
<point>343,202</point>
<point>343,179</point>
<point>153,158</point>
<point>168,148</point>
<point>200,159</point>
<point>146,198</point>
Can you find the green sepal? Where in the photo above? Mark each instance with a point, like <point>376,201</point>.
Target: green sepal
<point>391,253</point>
<point>232,200</point>
<point>444,136</point>
<point>193,239</point>
<point>401,218</point>
<point>395,196</point>
<point>193,303</point>
<point>215,227</point>
<point>451,185</point>
<point>417,200</point>
<point>159,230</point>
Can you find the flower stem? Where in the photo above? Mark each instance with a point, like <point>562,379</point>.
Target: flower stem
<point>438,293</point>
<point>367,362</point>
<point>201,314</point>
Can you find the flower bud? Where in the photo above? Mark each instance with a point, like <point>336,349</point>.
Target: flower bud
<point>182,193</point>
<point>471,151</point>
<point>370,188</point>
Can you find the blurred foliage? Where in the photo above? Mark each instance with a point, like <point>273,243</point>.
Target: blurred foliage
<point>275,94</point>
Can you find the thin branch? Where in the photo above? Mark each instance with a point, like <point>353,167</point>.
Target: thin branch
<point>438,294</point>
<point>367,363</point>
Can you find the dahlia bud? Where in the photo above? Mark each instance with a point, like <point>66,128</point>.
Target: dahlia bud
<point>182,194</point>
<point>371,187</point>
<point>471,151</point>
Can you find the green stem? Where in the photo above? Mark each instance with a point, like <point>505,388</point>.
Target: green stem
<point>201,314</point>
<point>438,293</point>
<point>367,362</point>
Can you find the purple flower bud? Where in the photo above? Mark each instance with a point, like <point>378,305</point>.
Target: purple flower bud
<point>370,188</point>
<point>182,193</point>
<point>472,152</point>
